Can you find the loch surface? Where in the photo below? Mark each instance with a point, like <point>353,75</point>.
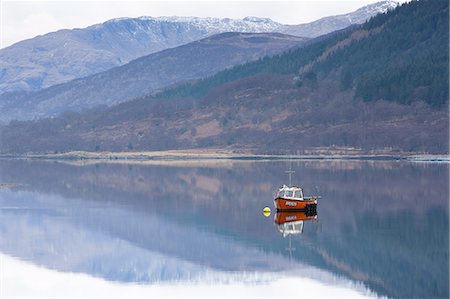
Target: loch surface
<point>196,228</point>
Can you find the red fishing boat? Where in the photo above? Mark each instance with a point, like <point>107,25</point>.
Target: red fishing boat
<point>290,198</point>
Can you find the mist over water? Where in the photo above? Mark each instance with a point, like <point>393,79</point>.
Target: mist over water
<point>382,227</point>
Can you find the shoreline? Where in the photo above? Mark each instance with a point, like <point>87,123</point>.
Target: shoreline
<point>177,155</point>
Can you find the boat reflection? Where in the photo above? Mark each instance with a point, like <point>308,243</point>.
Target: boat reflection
<point>291,223</point>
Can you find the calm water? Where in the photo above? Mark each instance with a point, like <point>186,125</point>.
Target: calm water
<point>197,229</point>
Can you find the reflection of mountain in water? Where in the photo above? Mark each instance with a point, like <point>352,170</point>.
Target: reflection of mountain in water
<point>178,221</point>
<point>118,244</point>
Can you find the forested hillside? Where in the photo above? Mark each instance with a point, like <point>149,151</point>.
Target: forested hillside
<point>400,56</point>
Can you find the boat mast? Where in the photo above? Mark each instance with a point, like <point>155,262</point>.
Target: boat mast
<point>290,172</point>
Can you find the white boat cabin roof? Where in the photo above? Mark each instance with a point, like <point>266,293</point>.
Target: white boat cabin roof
<point>290,192</point>
<point>290,188</point>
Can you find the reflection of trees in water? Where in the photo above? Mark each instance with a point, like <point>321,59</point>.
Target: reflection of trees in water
<point>403,253</point>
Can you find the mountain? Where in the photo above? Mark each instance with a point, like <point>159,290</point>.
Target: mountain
<point>333,23</point>
<point>288,103</point>
<point>64,55</point>
<point>147,74</point>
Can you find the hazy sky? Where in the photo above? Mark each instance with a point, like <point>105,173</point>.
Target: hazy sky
<point>26,19</point>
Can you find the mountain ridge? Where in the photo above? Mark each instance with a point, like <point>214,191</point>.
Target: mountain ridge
<point>66,54</point>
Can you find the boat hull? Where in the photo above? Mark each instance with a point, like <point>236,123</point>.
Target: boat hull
<point>283,204</point>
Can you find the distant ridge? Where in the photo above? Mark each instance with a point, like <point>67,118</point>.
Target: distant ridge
<point>64,55</point>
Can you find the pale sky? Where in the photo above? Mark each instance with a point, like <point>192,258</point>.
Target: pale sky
<point>21,20</point>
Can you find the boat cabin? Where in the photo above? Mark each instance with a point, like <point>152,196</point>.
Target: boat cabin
<point>290,192</point>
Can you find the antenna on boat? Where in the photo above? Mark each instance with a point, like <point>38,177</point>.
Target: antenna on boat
<point>290,172</point>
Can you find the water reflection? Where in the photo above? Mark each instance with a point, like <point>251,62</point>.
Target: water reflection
<point>291,223</point>
<point>182,222</point>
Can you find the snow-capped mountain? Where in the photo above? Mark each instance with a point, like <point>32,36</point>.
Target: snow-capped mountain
<point>330,24</point>
<point>64,55</point>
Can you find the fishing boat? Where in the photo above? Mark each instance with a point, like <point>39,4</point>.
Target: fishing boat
<point>291,198</point>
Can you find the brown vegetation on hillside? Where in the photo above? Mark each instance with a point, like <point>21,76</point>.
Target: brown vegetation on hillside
<point>266,113</point>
